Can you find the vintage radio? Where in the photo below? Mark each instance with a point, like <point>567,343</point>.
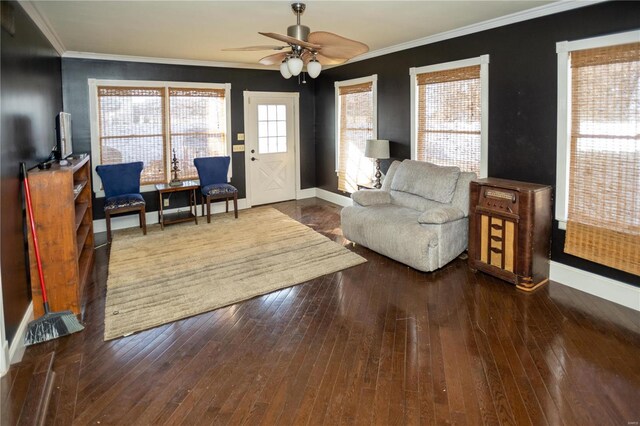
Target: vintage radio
<point>510,230</point>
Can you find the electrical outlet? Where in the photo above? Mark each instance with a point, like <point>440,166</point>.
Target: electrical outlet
<point>166,202</point>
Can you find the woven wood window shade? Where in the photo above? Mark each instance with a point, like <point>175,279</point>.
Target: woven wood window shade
<point>449,118</point>
<point>132,129</point>
<point>356,126</point>
<point>603,222</point>
<point>198,126</point>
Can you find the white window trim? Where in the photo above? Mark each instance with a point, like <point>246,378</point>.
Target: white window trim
<point>373,79</point>
<point>483,61</point>
<point>93,118</point>
<point>563,49</point>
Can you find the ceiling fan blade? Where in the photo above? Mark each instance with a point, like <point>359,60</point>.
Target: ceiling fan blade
<point>307,56</point>
<point>273,59</point>
<point>292,40</point>
<point>335,46</point>
<point>254,48</point>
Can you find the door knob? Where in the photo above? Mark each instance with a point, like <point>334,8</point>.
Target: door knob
<point>254,159</point>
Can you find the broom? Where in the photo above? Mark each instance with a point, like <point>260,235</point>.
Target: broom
<point>52,324</point>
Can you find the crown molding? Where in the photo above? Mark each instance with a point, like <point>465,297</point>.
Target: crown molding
<point>43,24</point>
<point>536,12</point>
<point>549,9</point>
<point>168,61</point>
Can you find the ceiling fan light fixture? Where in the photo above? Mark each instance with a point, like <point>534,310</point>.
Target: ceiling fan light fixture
<point>295,65</point>
<point>284,70</point>
<point>314,68</point>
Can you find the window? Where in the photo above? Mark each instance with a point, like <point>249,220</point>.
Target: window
<point>356,118</point>
<point>449,114</point>
<point>598,170</point>
<point>150,121</point>
<point>198,126</point>
<point>272,129</point>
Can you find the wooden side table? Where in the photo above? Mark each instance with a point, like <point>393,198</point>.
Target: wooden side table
<point>169,218</point>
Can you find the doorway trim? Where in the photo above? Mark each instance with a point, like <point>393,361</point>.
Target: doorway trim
<point>295,96</point>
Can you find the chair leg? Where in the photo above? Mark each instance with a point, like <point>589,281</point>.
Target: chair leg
<point>202,203</point>
<point>107,218</point>
<point>235,204</point>
<point>208,209</point>
<point>143,220</point>
<point>226,204</point>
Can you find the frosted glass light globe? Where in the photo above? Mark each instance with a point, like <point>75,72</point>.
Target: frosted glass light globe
<point>284,70</point>
<point>314,68</point>
<point>295,65</point>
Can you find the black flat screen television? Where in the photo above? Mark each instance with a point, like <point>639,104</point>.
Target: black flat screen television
<point>63,134</point>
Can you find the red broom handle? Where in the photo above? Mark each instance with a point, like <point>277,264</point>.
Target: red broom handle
<point>35,236</point>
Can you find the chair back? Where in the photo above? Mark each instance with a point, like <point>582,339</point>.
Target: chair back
<point>120,179</point>
<point>212,169</point>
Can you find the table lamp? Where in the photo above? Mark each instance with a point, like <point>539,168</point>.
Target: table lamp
<point>377,149</point>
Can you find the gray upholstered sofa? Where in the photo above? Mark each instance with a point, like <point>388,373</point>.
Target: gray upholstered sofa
<point>419,217</point>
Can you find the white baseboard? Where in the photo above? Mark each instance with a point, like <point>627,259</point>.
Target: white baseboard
<point>4,358</point>
<point>131,221</point>
<point>305,193</point>
<point>597,285</point>
<point>332,197</point>
<point>16,350</point>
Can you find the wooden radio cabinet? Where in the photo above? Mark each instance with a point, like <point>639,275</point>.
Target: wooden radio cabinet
<point>510,230</point>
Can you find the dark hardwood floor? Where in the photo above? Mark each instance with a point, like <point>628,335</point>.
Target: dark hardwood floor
<point>379,343</point>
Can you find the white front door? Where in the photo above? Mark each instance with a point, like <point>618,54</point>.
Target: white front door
<point>270,146</point>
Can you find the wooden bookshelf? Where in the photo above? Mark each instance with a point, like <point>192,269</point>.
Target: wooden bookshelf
<point>61,198</point>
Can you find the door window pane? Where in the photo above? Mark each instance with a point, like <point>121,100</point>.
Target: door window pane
<point>272,129</point>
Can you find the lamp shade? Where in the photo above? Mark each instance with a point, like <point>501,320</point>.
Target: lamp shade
<point>295,65</point>
<point>314,68</point>
<point>376,148</point>
<point>284,70</point>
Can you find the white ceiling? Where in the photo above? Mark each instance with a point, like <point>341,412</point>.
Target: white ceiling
<point>198,30</point>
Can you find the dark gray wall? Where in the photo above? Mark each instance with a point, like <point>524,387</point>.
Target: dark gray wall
<point>31,96</point>
<point>522,98</point>
<point>76,72</point>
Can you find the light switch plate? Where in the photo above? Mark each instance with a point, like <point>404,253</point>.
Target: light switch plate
<point>166,202</point>
<point>238,148</point>
<point>240,136</point>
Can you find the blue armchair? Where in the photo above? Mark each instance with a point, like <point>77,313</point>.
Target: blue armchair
<point>212,172</point>
<point>121,183</point>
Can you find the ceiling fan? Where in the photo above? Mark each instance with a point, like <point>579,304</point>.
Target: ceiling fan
<point>303,47</point>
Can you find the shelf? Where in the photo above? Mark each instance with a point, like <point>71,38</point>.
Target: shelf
<point>169,218</point>
<point>84,269</point>
<point>62,197</point>
<point>78,186</point>
<point>81,209</point>
<point>81,237</point>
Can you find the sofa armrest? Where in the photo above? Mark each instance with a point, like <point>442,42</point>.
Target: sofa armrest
<point>371,197</point>
<point>439,215</point>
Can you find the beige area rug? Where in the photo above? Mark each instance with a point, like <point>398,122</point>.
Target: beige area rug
<point>188,269</point>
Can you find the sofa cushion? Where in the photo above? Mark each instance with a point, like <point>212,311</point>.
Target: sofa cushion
<point>371,197</point>
<point>388,178</point>
<point>461,196</point>
<point>427,180</point>
<point>391,230</point>
<point>441,214</point>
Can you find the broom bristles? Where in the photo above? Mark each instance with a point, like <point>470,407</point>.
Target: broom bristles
<point>51,326</point>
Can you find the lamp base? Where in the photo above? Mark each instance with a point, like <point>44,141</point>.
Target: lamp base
<point>378,175</point>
